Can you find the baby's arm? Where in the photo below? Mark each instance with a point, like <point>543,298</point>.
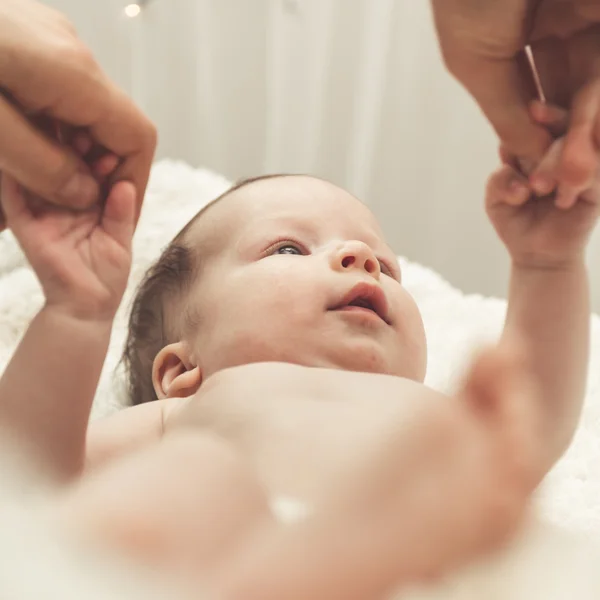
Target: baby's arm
<point>446,483</point>
<point>82,261</point>
<point>47,389</point>
<point>548,302</point>
<point>549,308</point>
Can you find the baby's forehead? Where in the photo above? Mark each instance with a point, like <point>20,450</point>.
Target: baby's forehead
<point>285,199</point>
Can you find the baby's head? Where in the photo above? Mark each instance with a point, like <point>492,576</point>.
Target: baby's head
<point>280,268</point>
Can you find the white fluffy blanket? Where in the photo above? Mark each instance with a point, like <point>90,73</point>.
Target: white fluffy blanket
<point>456,325</point>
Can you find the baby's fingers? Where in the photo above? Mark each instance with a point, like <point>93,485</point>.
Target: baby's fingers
<point>573,164</point>
<point>545,177</point>
<point>118,217</point>
<point>579,162</point>
<point>507,186</point>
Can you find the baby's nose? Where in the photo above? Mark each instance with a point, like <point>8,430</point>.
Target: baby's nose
<point>357,255</point>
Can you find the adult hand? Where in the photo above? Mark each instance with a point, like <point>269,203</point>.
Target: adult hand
<point>46,71</point>
<point>483,45</point>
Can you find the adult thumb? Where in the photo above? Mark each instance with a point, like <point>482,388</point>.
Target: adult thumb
<point>504,88</point>
<point>41,165</point>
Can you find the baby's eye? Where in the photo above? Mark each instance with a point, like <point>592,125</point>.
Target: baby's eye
<point>288,248</point>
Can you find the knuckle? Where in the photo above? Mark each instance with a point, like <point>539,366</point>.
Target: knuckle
<point>75,55</point>
<point>85,57</point>
<point>64,22</point>
<point>147,133</point>
<point>69,27</point>
<point>151,131</point>
<point>150,135</point>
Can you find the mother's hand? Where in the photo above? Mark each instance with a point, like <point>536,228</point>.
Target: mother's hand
<point>45,70</point>
<point>483,44</point>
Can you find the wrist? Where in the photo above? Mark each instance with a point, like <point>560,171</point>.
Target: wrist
<point>548,263</point>
<point>101,323</point>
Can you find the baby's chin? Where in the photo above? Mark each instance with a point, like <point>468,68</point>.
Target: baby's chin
<point>368,359</point>
<point>363,355</point>
<point>404,371</point>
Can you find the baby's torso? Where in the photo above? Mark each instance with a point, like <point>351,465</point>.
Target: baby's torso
<point>300,426</point>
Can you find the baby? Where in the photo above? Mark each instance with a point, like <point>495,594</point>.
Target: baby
<point>294,272</point>
<point>277,319</point>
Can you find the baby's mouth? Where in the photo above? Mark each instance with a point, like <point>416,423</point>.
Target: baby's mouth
<point>365,297</point>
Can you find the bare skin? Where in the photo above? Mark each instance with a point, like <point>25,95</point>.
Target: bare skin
<point>314,409</point>
<point>49,79</point>
<point>548,280</point>
<point>378,526</point>
<point>302,427</point>
<point>82,260</point>
<point>483,45</point>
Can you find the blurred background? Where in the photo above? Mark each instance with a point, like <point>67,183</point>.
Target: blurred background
<point>351,90</point>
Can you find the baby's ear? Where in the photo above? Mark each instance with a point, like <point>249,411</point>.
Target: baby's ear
<point>173,373</point>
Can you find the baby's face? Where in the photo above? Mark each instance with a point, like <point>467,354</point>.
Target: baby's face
<point>297,270</point>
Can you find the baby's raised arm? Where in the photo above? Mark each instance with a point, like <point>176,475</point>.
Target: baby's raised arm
<point>548,300</point>
<point>82,260</point>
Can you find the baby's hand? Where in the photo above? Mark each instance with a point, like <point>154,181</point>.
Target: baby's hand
<point>82,259</point>
<point>550,229</point>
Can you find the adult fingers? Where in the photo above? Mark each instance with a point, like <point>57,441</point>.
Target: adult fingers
<point>502,94</point>
<point>556,119</point>
<point>67,84</point>
<point>129,134</point>
<point>40,165</point>
<point>481,45</point>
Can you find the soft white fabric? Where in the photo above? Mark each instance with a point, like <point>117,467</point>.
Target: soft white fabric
<point>456,325</point>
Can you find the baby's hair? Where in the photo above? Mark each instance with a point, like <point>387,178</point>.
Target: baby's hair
<point>166,283</point>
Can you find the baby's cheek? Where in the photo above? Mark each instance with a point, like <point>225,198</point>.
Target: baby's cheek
<point>413,333</point>
<point>289,293</point>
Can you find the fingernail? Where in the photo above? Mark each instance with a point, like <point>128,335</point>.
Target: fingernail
<point>518,187</point>
<point>518,193</point>
<point>81,191</point>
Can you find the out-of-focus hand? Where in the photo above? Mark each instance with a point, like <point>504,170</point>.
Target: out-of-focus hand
<point>483,44</point>
<point>45,70</point>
